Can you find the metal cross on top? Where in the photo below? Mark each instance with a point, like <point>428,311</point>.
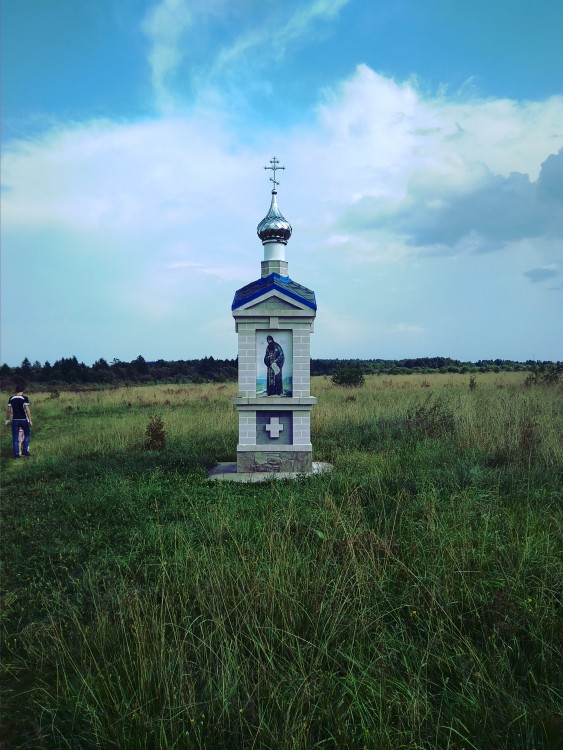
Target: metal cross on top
<point>274,162</point>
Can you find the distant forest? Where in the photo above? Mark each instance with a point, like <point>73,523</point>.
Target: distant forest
<point>69,371</point>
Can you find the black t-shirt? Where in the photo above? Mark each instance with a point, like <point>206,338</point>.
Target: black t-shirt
<point>17,404</point>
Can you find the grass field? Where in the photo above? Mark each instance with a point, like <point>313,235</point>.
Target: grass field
<point>409,599</point>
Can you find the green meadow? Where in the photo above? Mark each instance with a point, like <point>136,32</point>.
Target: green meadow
<point>408,599</point>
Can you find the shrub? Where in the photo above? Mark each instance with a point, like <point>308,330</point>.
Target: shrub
<point>349,377</point>
<point>155,435</point>
<point>432,419</point>
<point>547,373</point>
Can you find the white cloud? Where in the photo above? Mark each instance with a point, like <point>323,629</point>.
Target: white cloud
<point>159,173</point>
<point>395,140</point>
<point>165,27</point>
<point>272,37</point>
<point>383,163</point>
<point>396,164</point>
<point>183,54</point>
<point>167,208</point>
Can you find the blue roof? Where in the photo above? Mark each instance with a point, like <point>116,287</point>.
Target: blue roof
<point>270,283</point>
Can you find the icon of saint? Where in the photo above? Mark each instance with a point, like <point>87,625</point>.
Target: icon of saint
<point>274,359</point>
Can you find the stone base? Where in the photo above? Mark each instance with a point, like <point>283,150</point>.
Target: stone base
<point>300,462</point>
<point>227,472</point>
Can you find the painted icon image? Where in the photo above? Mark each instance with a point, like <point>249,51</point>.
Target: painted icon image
<point>274,363</point>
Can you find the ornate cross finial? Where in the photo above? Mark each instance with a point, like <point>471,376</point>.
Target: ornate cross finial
<point>274,162</point>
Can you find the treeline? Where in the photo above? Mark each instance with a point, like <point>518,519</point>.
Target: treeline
<point>69,371</point>
<point>424,365</point>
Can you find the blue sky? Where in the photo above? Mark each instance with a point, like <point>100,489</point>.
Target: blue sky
<point>423,145</point>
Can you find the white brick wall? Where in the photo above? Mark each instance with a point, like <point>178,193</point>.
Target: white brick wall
<point>301,361</point>
<point>247,427</point>
<point>247,359</point>
<point>283,317</point>
<point>301,428</point>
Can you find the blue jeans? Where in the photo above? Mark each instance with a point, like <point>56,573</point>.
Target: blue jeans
<point>24,424</point>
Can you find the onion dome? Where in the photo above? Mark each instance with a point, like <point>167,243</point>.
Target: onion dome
<point>274,227</point>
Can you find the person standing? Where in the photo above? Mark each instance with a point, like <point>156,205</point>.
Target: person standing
<point>274,359</point>
<point>19,414</point>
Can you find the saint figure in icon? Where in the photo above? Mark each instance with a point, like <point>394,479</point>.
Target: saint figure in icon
<point>274,359</point>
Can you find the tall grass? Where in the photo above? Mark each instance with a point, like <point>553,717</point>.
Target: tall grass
<point>408,599</point>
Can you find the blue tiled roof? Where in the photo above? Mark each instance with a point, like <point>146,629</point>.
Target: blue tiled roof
<point>274,281</point>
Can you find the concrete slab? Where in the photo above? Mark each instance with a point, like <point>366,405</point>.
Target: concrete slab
<point>227,472</point>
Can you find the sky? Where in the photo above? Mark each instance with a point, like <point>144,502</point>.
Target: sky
<point>423,149</point>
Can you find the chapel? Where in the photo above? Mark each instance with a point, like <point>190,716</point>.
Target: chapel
<point>274,318</point>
